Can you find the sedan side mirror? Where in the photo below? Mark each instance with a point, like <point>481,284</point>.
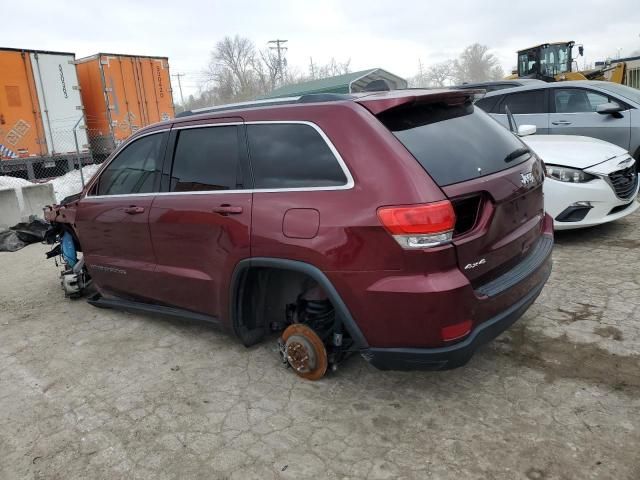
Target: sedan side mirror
<point>610,109</point>
<point>524,130</point>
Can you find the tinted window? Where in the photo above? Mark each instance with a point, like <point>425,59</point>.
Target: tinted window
<point>454,143</point>
<point>532,101</point>
<point>206,159</point>
<point>136,168</point>
<point>292,156</point>
<point>577,100</point>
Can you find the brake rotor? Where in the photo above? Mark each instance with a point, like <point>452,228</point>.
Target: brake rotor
<point>305,351</point>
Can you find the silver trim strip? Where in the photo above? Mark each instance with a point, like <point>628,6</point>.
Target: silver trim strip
<point>250,103</point>
<point>347,186</point>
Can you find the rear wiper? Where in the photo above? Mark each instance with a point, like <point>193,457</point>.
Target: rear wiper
<point>517,153</point>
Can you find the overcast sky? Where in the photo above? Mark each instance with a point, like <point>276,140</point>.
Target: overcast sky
<point>390,35</point>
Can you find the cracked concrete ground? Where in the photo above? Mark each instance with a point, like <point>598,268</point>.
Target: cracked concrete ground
<point>99,394</point>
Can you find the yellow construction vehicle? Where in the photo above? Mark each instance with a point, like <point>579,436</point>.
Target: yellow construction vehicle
<point>553,62</point>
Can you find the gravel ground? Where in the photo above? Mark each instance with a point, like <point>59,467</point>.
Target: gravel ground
<point>90,393</point>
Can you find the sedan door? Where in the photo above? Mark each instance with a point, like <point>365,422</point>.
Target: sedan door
<point>200,223</point>
<point>575,114</point>
<point>112,220</point>
<point>529,107</point>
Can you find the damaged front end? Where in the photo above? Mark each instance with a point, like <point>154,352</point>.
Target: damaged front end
<point>74,277</point>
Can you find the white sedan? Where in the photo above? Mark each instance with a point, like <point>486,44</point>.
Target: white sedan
<point>589,181</point>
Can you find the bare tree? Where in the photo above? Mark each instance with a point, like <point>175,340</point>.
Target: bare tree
<point>497,73</point>
<point>475,64</point>
<point>237,71</point>
<point>440,73</point>
<point>267,66</point>
<point>331,69</point>
<point>232,68</point>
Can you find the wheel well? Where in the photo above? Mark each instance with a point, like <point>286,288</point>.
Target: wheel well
<point>262,296</point>
<point>262,287</point>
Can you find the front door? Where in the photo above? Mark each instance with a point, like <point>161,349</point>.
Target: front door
<point>575,114</point>
<point>200,225</point>
<point>112,220</point>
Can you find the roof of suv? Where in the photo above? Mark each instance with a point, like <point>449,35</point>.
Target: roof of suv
<point>376,102</point>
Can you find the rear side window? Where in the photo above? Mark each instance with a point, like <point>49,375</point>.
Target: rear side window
<point>136,169</point>
<point>577,100</point>
<point>531,101</point>
<point>292,156</point>
<point>206,159</point>
<point>487,103</point>
<point>454,143</point>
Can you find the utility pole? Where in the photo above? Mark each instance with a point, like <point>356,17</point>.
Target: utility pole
<point>279,47</point>
<point>313,68</point>
<point>178,75</point>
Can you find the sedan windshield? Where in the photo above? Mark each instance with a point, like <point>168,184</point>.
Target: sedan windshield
<point>622,90</point>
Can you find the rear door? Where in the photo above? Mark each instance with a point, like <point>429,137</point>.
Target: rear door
<point>574,113</point>
<point>529,107</point>
<point>112,220</point>
<point>200,223</point>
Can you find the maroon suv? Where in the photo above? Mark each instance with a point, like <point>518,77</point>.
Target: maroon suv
<point>407,226</point>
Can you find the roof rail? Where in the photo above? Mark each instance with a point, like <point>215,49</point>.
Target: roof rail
<point>308,98</point>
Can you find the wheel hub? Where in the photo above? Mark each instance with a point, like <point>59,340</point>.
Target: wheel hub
<point>304,351</point>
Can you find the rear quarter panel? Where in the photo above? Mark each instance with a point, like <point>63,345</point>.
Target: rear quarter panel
<point>350,236</point>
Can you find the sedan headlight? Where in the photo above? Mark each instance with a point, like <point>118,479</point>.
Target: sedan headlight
<point>566,174</point>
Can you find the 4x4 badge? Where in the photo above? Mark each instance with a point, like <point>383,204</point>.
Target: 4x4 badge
<point>526,178</point>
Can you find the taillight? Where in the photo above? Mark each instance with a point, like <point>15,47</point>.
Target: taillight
<point>420,226</point>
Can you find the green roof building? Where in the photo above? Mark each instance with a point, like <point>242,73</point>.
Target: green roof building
<point>364,80</point>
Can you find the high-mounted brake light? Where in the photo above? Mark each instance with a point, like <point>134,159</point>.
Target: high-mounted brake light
<point>420,226</point>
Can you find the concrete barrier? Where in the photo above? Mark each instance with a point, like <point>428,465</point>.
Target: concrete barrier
<point>36,197</point>
<point>10,213</point>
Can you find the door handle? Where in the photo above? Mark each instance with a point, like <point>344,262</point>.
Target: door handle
<point>227,210</point>
<point>133,210</point>
<point>561,122</point>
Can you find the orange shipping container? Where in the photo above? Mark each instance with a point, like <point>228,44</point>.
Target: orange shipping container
<point>41,112</point>
<point>121,94</point>
<point>20,120</point>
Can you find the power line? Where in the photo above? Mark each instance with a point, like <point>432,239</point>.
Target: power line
<point>178,75</point>
<point>279,47</point>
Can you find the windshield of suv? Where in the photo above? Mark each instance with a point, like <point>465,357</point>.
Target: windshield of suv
<point>629,93</point>
<point>454,143</point>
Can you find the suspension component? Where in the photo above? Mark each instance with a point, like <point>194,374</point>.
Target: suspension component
<point>303,350</point>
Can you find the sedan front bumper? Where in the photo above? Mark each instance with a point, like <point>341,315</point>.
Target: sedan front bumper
<point>604,205</point>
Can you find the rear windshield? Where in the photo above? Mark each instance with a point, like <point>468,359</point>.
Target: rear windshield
<point>454,143</point>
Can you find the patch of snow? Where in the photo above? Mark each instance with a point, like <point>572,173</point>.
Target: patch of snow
<point>71,183</point>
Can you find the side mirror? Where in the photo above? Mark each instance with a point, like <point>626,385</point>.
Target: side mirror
<point>580,50</point>
<point>524,130</point>
<point>610,109</point>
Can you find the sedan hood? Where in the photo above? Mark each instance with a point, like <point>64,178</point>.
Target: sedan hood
<point>572,150</point>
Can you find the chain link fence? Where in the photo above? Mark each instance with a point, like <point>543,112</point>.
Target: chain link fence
<point>75,156</point>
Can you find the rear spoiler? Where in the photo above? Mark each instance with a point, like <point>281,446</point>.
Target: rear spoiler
<point>377,103</point>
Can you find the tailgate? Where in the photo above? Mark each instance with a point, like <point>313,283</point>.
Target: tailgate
<point>509,220</point>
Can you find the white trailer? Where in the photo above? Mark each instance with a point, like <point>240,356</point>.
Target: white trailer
<point>60,102</point>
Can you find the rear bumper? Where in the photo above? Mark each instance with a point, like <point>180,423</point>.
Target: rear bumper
<point>445,358</point>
